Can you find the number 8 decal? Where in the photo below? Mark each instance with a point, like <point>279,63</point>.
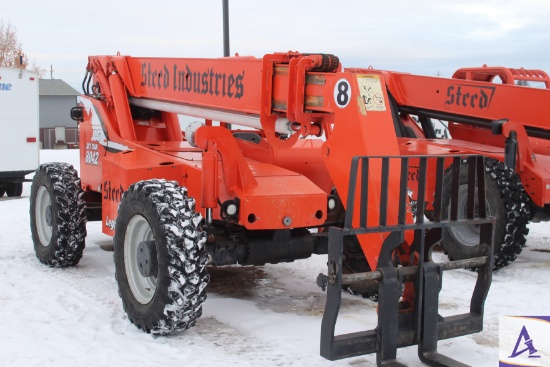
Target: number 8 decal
<point>342,93</point>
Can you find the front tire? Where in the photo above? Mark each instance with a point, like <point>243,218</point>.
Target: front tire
<point>354,261</point>
<point>507,201</point>
<point>57,215</point>
<point>169,297</point>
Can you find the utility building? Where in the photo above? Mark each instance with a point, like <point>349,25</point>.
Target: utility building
<point>57,129</point>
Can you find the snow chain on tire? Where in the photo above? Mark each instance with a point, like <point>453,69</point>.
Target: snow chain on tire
<point>510,207</point>
<point>354,261</point>
<point>58,219</point>
<point>181,278</point>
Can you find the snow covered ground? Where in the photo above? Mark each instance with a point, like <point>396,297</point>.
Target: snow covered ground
<point>254,316</point>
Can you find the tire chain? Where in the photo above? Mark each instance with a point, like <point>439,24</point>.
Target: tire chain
<point>185,244</point>
<point>71,215</point>
<point>518,211</point>
<point>354,261</point>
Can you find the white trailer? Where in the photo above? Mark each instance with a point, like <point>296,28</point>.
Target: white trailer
<point>19,134</point>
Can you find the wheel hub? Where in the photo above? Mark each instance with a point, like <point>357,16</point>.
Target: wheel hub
<point>48,215</point>
<point>143,287</point>
<point>43,216</point>
<point>147,258</point>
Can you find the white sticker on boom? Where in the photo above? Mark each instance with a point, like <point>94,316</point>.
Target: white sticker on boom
<point>342,93</point>
<point>370,89</point>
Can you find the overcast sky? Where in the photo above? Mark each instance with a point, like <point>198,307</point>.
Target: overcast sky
<point>422,36</point>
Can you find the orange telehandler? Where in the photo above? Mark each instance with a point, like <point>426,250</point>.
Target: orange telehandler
<point>262,192</point>
<point>490,111</point>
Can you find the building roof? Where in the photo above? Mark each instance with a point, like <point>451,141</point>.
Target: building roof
<point>56,87</point>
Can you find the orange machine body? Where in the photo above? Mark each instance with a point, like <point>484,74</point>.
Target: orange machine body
<point>289,154</point>
<point>279,181</point>
<point>470,102</point>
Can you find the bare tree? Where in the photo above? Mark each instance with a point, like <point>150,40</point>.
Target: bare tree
<point>11,51</point>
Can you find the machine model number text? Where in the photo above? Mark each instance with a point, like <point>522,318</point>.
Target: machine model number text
<point>92,155</point>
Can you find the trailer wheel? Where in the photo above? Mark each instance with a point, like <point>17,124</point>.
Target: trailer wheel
<point>507,201</point>
<point>14,189</point>
<point>57,215</point>
<point>2,191</point>
<point>160,257</point>
<point>354,261</point>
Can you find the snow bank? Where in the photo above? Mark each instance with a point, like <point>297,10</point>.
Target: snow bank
<point>254,316</point>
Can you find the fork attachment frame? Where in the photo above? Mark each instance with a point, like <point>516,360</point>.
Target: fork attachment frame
<point>420,324</point>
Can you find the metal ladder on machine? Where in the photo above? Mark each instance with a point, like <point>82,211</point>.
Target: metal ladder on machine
<point>423,326</point>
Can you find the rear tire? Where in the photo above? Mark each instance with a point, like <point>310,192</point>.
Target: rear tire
<point>57,215</point>
<point>507,201</point>
<point>168,299</point>
<point>14,189</point>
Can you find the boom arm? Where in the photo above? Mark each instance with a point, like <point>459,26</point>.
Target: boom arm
<point>226,89</point>
<point>472,101</point>
<point>489,114</point>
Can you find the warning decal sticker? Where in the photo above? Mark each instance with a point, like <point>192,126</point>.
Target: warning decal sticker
<point>371,92</point>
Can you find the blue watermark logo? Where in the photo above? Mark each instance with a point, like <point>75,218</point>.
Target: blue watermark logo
<point>524,341</point>
<point>528,343</point>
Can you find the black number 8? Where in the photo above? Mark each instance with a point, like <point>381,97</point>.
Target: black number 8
<point>342,96</point>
